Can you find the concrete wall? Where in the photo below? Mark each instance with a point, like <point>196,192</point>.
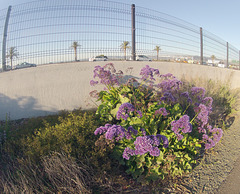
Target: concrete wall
<point>47,89</point>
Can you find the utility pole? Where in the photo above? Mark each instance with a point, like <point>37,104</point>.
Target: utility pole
<point>5,39</point>
<point>201,46</point>
<point>227,54</point>
<point>133,34</point>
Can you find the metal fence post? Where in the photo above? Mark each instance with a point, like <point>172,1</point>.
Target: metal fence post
<point>5,39</point>
<point>201,46</point>
<point>239,58</point>
<point>227,54</point>
<point>133,34</point>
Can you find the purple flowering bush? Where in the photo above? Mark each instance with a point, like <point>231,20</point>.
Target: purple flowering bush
<point>158,128</point>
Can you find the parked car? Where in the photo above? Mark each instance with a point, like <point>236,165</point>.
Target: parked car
<point>25,65</point>
<point>222,65</point>
<point>99,58</point>
<point>141,58</point>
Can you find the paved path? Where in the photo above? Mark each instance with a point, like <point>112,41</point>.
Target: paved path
<point>232,183</point>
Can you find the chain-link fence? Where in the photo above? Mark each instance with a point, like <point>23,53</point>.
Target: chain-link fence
<point>57,31</point>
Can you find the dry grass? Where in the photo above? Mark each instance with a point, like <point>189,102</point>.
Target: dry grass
<point>56,174</point>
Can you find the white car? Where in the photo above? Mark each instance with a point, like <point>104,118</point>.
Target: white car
<point>25,65</point>
<point>141,58</point>
<point>99,58</point>
<point>222,65</point>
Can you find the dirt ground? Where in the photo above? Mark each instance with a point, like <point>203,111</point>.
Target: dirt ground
<point>217,171</point>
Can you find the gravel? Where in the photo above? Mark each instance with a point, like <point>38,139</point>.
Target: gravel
<point>217,164</point>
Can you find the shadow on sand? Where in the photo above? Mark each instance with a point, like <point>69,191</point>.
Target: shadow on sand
<point>21,107</point>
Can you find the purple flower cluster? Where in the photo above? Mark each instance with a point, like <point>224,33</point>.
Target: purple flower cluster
<point>168,97</point>
<point>110,67</point>
<point>215,135</point>
<point>182,125</point>
<point>161,111</point>
<point>131,131</point>
<point>168,88</point>
<point>208,102</point>
<point>187,96</point>
<point>143,131</point>
<point>148,73</point>
<point>158,139</point>
<point>168,75</point>
<point>146,144</point>
<point>203,113</point>
<point>201,130</point>
<point>143,144</point>
<point>198,92</point>
<point>128,152</point>
<point>105,76</point>
<point>93,83</point>
<point>139,113</point>
<point>115,131</point>
<point>125,109</point>
<point>170,85</point>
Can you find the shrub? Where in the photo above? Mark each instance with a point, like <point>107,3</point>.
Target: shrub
<point>72,134</point>
<point>158,128</point>
<point>14,132</point>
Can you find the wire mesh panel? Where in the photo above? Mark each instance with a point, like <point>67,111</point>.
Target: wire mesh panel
<point>177,39</point>
<point>58,31</point>
<point>46,31</point>
<point>215,49</point>
<point>233,57</point>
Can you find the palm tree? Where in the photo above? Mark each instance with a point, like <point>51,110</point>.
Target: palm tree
<point>157,48</point>
<point>12,53</point>
<point>74,46</point>
<point>213,58</point>
<point>124,46</point>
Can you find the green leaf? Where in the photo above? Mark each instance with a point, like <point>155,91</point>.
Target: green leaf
<point>160,158</point>
<point>148,161</point>
<point>114,111</point>
<point>135,121</point>
<point>139,164</point>
<point>123,99</point>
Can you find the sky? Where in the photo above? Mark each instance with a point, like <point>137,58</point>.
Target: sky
<point>220,17</point>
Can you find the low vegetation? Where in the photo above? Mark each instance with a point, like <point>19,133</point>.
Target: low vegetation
<point>145,136</point>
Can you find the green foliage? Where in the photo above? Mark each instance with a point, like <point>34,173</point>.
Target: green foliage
<point>73,135</point>
<point>22,128</point>
<point>67,132</point>
<point>184,147</point>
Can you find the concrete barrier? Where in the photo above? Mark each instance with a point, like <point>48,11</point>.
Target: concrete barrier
<point>47,89</point>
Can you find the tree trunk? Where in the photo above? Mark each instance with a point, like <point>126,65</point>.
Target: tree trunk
<point>75,51</point>
<point>11,63</point>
